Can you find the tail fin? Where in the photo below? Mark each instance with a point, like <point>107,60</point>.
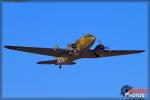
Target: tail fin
<point>55,62</point>
<point>56,47</point>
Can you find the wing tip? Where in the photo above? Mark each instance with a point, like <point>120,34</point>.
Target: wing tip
<point>9,47</point>
<point>6,46</point>
<point>140,51</point>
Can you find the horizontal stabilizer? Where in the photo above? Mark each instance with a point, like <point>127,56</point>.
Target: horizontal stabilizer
<point>55,62</point>
<point>48,62</point>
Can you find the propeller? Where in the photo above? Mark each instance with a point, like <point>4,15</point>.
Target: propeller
<point>102,46</point>
<point>72,45</point>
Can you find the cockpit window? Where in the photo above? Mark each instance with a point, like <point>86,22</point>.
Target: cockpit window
<point>88,35</point>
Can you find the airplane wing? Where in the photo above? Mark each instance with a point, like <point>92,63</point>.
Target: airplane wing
<point>107,53</point>
<point>41,51</point>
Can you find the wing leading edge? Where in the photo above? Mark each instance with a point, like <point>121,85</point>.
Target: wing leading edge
<point>107,53</point>
<point>64,52</point>
<point>41,51</point>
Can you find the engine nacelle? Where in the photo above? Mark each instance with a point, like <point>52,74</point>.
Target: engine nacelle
<point>72,48</point>
<point>99,47</point>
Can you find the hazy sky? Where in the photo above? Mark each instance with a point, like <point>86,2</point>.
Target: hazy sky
<point>117,25</point>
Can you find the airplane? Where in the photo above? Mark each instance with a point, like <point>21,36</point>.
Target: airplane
<point>77,50</point>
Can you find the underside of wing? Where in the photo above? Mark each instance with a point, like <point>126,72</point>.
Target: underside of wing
<point>107,53</point>
<point>41,51</point>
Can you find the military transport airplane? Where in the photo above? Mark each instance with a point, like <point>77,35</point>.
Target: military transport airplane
<point>79,49</point>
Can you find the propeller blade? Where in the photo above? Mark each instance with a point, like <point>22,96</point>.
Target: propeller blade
<point>101,43</point>
<point>107,48</point>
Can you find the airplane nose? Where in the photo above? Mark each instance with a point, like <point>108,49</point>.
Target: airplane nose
<point>90,38</point>
<point>93,38</point>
